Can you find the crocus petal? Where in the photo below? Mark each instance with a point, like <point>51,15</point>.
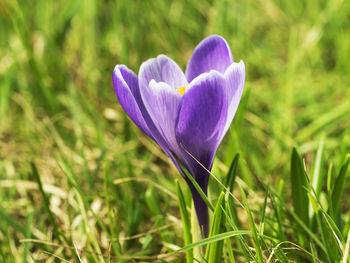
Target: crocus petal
<point>202,116</point>
<point>199,124</point>
<point>162,69</point>
<point>235,77</point>
<point>161,102</point>
<point>212,53</point>
<point>126,85</point>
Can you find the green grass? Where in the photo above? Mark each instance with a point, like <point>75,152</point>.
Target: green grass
<point>79,181</point>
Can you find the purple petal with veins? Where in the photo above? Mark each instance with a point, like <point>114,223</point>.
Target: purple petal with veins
<point>213,53</point>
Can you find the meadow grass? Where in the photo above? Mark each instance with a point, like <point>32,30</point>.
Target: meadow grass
<point>80,183</point>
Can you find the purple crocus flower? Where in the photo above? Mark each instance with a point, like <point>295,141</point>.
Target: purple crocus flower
<point>185,113</point>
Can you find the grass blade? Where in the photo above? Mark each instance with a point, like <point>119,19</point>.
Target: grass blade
<point>317,176</point>
<point>186,222</point>
<point>262,222</point>
<point>313,253</point>
<point>214,250</point>
<point>232,173</point>
<point>339,186</point>
<point>346,253</point>
<point>230,250</point>
<point>330,182</point>
<point>299,186</point>
<point>27,235</point>
<point>215,238</point>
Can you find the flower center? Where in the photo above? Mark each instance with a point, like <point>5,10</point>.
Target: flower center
<point>181,90</point>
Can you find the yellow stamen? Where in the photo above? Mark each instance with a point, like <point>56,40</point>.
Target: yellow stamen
<point>181,90</point>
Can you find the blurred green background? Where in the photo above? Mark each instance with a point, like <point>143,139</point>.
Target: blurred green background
<point>59,115</point>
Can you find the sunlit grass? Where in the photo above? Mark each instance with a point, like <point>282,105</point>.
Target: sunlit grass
<point>78,181</point>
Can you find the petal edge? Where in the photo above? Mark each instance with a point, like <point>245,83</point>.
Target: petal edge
<point>162,69</point>
<point>125,84</point>
<point>212,53</point>
<point>235,78</point>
